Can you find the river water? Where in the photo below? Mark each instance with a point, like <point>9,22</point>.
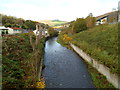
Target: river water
<point>64,68</point>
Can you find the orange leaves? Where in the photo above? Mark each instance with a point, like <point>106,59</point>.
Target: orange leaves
<point>66,38</point>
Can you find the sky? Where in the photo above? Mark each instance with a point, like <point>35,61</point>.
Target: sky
<point>65,10</point>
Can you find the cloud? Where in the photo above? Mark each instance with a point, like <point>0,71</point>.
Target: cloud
<point>56,9</point>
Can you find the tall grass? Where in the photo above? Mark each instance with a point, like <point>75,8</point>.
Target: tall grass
<point>101,43</point>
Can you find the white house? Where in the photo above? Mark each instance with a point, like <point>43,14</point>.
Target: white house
<point>9,30</point>
<point>3,30</point>
<point>15,30</point>
<point>102,20</point>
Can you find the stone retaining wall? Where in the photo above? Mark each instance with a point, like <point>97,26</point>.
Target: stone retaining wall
<point>112,78</point>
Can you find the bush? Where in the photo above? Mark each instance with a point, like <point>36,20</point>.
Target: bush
<point>19,61</point>
<point>79,25</point>
<point>52,32</point>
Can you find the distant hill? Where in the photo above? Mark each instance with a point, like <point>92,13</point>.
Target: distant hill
<point>53,23</point>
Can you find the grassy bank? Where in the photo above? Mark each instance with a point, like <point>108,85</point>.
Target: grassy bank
<point>19,61</point>
<point>101,43</point>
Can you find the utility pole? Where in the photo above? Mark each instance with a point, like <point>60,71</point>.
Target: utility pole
<point>119,11</point>
<point>0,19</point>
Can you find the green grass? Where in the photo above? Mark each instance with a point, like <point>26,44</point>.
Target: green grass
<point>101,43</point>
<point>99,80</point>
<point>18,61</point>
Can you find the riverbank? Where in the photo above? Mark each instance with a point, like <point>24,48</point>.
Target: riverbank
<point>112,78</point>
<point>20,62</point>
<point>101,43</point>
<point>98,79</point>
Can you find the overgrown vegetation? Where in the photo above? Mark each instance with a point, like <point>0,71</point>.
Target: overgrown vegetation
<point>101,43</point>
<point>52,32</point>
<point>18,61</point>
<point>99,80</point>
<point>11,21</point>
<point>79,25</point>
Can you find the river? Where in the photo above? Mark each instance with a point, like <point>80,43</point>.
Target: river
<point>64,68</point>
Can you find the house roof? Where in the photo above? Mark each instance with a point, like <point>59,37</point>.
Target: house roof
<point>15,28</point>
<point>105,15</point>
<point>2,27</point>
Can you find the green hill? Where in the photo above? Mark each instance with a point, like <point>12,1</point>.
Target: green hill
<point>52,22</point>
<point>101,43</point>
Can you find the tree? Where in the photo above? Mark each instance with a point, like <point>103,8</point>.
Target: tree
<point>24,26</point>
<point>20,21</point>
<point>52,32</point>
<point>90,20</point>
<point>8,25</point>
<point>79,25</point>
<point>30,24</point>
<point>11,21</point>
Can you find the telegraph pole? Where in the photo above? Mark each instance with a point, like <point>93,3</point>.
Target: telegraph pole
<point>119,11</point>
<point>0,19</point>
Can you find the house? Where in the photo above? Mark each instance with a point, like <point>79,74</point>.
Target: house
<point>44,31</point>
<point>15,30</point>
<point>3,30</point>
<point>111,17</point>
<point>10,30</point>
<point>102,20</point>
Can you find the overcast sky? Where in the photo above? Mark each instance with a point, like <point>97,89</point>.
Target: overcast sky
<point>66,10</point>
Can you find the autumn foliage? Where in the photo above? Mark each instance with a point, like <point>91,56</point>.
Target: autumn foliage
<point>66,38</point>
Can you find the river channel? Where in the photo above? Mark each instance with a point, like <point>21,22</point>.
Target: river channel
<point>64,68</point>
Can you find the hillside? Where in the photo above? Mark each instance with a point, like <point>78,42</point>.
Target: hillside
<point>52,22</point>
<point>101,43</point>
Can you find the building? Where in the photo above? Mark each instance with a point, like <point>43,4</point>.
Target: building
<point>119,6</point>
<point>40,30</point>
<point>111,17</point>
<point>102,20</point>
<point>119,11</point>
<point>3,30</point>
<point>14,30</point>
<point>10,30</point>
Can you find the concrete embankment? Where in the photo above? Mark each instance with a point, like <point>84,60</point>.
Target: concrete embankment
<point>112,78</point>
